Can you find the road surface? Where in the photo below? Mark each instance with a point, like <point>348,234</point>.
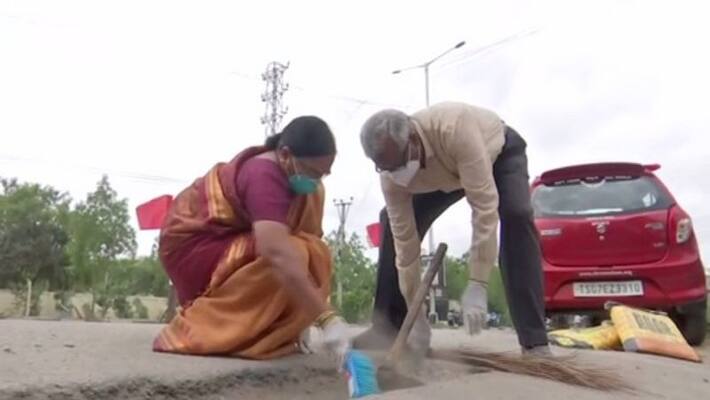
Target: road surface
<point>71,360</point>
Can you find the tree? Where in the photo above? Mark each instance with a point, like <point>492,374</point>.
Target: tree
<point>456,277</point>
<point>32,240</point>
<point>100,235</point>
<point>139,276</point>
<point>357,275</point>
<point>497,301</point>
<point>457,274</point>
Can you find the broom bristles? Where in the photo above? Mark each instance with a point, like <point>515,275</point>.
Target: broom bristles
<point>560,369</point>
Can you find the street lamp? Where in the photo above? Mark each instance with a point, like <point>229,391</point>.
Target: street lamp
<point>426,68</point>
<point>432,294</point>
<point>426,88</point>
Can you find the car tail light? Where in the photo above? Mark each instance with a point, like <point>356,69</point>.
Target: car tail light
<point>683,230</point>
<point>680,226</point>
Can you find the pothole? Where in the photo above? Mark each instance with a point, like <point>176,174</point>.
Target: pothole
<point>293,383</point>
<point>327,385</point>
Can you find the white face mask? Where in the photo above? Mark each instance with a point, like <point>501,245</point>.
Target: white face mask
<point>403,176</point>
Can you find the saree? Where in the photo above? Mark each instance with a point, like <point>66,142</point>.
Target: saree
<point>244,310</point>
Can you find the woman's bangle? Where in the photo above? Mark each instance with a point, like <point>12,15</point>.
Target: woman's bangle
<point>324,318</point>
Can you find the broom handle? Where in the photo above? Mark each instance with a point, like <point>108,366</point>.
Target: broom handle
<point>408,324</point>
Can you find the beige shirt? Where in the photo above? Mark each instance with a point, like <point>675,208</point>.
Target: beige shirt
<point>461,143</point>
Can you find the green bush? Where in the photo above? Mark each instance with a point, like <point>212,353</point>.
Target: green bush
<point>357,276</point>
<point>496,297</point>
<point>122,307</point>
<point>456,277</point>
<point>104,302</point>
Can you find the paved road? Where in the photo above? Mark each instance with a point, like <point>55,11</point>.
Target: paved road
<point>78,360</point>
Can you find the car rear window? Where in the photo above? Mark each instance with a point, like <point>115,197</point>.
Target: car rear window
<point>595,196</point>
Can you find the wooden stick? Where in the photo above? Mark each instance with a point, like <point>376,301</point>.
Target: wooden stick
<point>399,343</point>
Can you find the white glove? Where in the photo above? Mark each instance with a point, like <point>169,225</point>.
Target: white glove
<point>336,340</point>
<point>474,304</point>
<point>305,342</point>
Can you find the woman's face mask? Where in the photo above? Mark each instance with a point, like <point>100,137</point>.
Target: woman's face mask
<point>300,183</point>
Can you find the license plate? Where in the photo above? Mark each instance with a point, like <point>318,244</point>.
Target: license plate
<point>608,289</point>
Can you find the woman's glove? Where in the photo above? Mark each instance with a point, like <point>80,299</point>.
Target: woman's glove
<point>304,341</point>
<point>335,337</point>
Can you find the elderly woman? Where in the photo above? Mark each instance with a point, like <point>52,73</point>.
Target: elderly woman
<point>242,246</point>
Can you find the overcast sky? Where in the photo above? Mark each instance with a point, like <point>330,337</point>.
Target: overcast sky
<point>153,93</point>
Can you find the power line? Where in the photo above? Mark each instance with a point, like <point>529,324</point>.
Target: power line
<point>272,119</point>
<point>359,101</point>
<point>488,48</point>
<point>147,178</point>
<point>325,94</point>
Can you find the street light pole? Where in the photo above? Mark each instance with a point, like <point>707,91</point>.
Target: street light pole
<point>432,294</point>
<point>426,97</point>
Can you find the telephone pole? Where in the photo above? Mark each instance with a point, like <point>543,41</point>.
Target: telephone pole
<point>273,97</point>
<point>343,207</point>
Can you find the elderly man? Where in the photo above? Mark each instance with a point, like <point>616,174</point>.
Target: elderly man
<point>427,162</point>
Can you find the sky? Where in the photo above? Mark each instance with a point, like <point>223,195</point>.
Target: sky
<point>154,92</point>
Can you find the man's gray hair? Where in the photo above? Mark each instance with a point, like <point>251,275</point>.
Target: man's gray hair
<point>386,123</point>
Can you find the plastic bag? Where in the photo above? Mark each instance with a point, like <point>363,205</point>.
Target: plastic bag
<point>603,337</point>
<point>650,332</point>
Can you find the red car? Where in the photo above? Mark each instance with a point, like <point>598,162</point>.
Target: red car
<point>613,231</point>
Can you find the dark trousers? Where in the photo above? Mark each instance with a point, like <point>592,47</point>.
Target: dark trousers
<point>519,247</point>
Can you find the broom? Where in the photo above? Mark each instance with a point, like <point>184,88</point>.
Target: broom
<point>364,378</point>
<point>388,375</point>
<point>559,369</point>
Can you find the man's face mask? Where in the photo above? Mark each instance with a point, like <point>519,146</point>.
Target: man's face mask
<point>403,175</point>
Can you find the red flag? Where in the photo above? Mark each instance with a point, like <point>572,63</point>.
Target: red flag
<point>151,214</point>
<point>373,234</point>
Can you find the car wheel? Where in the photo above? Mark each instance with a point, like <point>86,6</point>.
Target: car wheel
<point>558,321</point>
<point>692,322</point>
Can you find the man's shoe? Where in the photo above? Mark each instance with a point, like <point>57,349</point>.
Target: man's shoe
<point>542,351</point>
